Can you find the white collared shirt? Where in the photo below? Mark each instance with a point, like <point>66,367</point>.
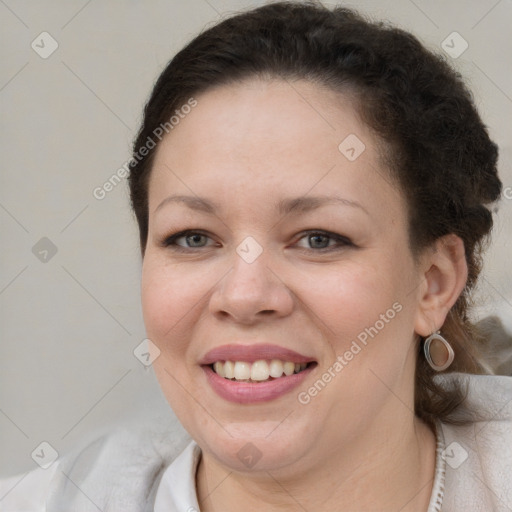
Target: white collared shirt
<point>152,467</point>
<point>177,489</point>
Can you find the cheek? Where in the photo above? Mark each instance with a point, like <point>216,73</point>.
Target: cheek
<point>171,305</point>
<point>364,307</point>
<point>171,300</point>
<point>350,297</point>
<point>369,320</point>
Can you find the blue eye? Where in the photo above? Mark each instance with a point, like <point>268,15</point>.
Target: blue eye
<point>192,237</point>
<point>319,241</point>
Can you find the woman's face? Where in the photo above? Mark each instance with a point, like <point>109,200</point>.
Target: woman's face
<point>297,253</point>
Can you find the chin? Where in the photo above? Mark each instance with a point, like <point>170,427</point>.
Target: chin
<point>257,445</point>
<point>253,454</point>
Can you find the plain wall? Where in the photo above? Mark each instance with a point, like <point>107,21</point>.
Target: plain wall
<point>69,325</point>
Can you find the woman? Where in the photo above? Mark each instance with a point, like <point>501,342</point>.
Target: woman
<point>313,192</point>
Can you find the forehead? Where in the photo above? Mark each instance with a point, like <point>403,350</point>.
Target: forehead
<point>269,138</point>
<point>268,117</point>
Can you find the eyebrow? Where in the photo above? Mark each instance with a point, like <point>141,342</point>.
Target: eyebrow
<point>284,206</point>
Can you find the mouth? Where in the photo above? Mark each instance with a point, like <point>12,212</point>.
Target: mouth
<point>257,373</point>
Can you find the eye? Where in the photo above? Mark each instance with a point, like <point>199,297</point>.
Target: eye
<point>320,240</point>
<point>193,240</point>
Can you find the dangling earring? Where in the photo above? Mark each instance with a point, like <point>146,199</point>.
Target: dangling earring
<point>447,349</point>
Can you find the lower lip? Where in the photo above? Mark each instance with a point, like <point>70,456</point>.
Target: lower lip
<point>248,392</point>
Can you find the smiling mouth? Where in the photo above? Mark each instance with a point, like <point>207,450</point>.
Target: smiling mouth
<point>258,371</point>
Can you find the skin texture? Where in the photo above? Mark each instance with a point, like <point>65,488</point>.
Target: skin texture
<point>357,444</point>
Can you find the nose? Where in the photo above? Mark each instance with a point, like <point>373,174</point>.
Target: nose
<point>250,293</point>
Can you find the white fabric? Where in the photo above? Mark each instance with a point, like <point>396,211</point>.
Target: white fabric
<point>483,482</point>
<point>137,469</point>
<point>27,492</point>
<point>177,488</point>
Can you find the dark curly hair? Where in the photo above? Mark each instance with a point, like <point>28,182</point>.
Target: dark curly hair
<point>434,142</point>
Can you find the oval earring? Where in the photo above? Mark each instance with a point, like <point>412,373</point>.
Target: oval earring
<point>434,355</point>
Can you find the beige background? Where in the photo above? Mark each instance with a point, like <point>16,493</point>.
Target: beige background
<point>69,325</point>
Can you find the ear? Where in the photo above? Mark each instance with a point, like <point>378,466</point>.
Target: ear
<point>444,275</point>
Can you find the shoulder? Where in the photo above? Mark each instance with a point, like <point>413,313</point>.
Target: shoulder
<point>478,454</point>
<point>489,397</point>
<point>120,469</point>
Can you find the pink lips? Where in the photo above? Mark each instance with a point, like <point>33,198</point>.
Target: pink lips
<point>249,392</point>
<point>251,353</point>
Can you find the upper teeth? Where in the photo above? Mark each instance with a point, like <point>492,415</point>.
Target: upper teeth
<point>259,370</point>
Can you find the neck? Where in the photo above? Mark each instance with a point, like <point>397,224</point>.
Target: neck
<point>385,470</point>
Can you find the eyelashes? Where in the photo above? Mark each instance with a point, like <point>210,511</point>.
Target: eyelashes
<point>195,237</point>
<point>171,241</point>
